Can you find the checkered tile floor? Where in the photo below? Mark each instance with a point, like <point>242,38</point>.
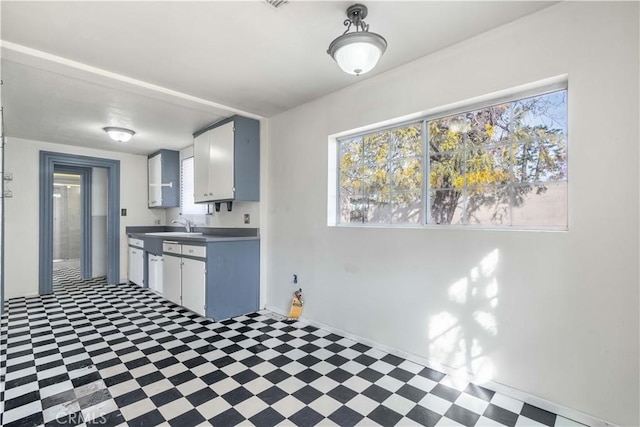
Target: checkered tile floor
<point>107,355</point>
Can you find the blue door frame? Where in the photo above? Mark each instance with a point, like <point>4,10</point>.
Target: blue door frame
<point>50,162</point>
<point>85,215</point>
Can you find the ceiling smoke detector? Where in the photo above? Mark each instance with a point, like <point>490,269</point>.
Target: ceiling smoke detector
<point>276,4</point>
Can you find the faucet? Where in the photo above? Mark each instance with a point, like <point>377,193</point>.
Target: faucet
<point>187,224</point>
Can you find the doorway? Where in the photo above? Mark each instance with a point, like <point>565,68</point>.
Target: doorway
<point>52,163</point>
<point>67,223</point>
<point>74,230</point>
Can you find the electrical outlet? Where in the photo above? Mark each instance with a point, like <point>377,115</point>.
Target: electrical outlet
<point>247,218</point>
<point>156,221</point>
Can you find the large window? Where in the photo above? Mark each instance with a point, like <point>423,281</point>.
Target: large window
<point>503,165</point>
<point>187,191</point>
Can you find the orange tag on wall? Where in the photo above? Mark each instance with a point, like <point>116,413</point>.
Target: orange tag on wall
<point>296,308</point>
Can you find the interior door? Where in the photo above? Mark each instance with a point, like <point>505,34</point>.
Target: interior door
<point>221,151</point>
<point>193,285</point>
<point>171,279</point>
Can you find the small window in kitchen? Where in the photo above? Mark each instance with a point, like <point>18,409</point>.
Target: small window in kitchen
<point>187,205</point>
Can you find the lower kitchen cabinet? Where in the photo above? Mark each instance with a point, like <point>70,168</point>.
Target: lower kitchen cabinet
<point>136,265</point>
<point>155,271</point>
<point>233,278</point>
<point>193,285</point>
<point>219,279</point>
<point>171,278</point>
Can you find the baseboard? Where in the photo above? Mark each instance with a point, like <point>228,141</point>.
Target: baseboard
<point>531,399</point>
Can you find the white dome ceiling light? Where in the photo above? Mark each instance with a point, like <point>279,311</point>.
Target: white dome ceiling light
<point>119,134</point>
<point>357,52</point>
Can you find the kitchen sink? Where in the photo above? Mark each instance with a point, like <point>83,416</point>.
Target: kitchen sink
<point>173,233</point>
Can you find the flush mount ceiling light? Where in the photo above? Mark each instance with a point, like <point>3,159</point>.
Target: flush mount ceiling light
<point>357,52</point>
<point>119,134</point>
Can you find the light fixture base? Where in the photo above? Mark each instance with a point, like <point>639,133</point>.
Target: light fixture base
<point>357,11</point>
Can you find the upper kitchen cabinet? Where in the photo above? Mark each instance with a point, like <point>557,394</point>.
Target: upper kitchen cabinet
<point>164,179</point>
<point>227,161</point>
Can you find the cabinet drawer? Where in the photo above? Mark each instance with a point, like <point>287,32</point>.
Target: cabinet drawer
<point>197,251</point>
<point>172,247</point>
<point>136,242</point>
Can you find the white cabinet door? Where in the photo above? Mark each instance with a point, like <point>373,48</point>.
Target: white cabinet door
<point>155,273</point>
<point>193,285</point>
<point>131,270</point>
<point>171,287</point>
<point>201,168</point>
<point>221,151</point>
<point>155,180</point>
<point>136,266</point>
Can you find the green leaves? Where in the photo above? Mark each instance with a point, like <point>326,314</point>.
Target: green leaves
<point>482,165</point>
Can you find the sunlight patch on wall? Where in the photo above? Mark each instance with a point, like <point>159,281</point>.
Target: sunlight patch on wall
<point>489,263</point>
<point>458,291</point>
<point>445,336</point>
<point>487,321</point>
<point>463,334</point>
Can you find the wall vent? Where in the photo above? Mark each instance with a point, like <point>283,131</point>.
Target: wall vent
<point>276,4</point>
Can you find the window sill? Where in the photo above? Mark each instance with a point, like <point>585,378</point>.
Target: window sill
<point>452,227</point>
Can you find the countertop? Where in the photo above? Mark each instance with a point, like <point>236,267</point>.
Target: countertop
<point>209,234</point>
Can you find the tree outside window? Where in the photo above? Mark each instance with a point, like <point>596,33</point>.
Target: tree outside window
<point>502,165</point>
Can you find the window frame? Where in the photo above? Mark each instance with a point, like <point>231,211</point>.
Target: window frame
<point>441,113</point>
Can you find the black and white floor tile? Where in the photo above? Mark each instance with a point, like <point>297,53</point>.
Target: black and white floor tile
<point>93,354</point>
<point>66,264</point>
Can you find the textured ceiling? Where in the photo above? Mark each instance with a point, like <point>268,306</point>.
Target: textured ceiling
<point>244,55</point>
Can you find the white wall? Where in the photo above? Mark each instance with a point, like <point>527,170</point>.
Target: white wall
<point>21,211</point>
<point>99,205</point>
<point>566,325</point>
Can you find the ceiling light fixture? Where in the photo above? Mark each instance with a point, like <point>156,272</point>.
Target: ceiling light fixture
<point>357,52</point>
<point>119,134</point>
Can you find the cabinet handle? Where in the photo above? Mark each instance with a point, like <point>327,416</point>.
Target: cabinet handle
<point>211,194</point>
<point>204,194</point>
